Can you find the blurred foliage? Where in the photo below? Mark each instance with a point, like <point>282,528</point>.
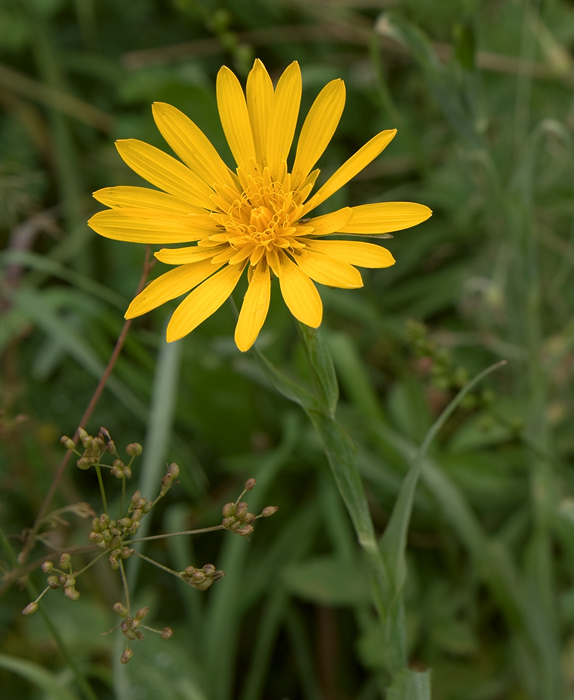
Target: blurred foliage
<point>481,93</point>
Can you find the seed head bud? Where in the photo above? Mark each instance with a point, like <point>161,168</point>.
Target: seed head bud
<point>67,442</point>
<point>248,519</point>
<point>166,633</point>
<point>250,484</point>
<point>228,522</point>
<point>82,434</point>
<point>71,593</point>
<point>47,566</point>
<point>65,560</point>
<point>268,511</point>
<point>30,609</point>
<point>141,613</point>
<point>245,530</point>
<point>242,509</point>
<point>208,569</point>
<point>53,582</point>
<point>111,447</point>
<point>120,609</point>
<point>84,463</point>
<point>127,655</point>
<point>173,471</point>
<point>228,510</point>
<point>98,444</point>
<point>128,472</point>
<point>134,449</point>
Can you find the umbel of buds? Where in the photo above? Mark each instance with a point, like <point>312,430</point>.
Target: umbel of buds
<point>201,578</point>
<point>236,516</point>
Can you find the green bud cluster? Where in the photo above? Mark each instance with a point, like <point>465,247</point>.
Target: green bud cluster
<point>238,519</point>
<point>202,578</point>
<point>94,448</point>
<point>132,628</point>
<point>109,534</point>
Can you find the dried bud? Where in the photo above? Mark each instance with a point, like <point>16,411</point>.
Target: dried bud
<point>65,560</point>
<point>111,447</point>
<point>166,633</point>
<point>141,613</point>
<point>53,582</point>
<point>47,566</point>
<point>242,509</point>
<point>67,442</point>
<point>245,530</point>
<point>127,655</point>
<point>268,511</point>
<point>208,569</point>
<point>248,519</point>
<point>30,609</point>
<point>71,593</point>
<point>134,449</point>
<point>250,484</point>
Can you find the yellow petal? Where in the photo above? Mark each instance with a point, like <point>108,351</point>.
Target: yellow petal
<point>300,294</point>
<point>164,172</point>
<point>203,301</point>
<point>318,129</point>
<point>348,170</point>
<point>329,270</point>
<point>330,223</point>
<point>169,286</point>
<point>150,226</point>
<point>191,145</point>
<point>354,252</point>
<point>254,308</point>
<point>259,92</point>
<point>189,254</point>
<point>283,117</point>
<point>234,117</point>
<point>144,198</point>
<point>384,217</point>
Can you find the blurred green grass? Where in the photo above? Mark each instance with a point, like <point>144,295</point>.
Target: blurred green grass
<point>481,93</point>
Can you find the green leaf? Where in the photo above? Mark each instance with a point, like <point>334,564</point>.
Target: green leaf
<point>38,676</point>
<point>393,541</point>
<point>322,369</point>
<point>410,685</point>
<point>328,580</point>
<point>285,386</point>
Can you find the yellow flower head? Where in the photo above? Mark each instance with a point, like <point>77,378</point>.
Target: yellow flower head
<point>255,217</point>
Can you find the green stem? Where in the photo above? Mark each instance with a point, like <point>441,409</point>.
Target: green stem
<point>102,488</point>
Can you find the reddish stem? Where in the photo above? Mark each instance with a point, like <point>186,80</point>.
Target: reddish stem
<point>84,420</point>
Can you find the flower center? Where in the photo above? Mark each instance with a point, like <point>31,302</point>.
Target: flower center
<point>264,215</point>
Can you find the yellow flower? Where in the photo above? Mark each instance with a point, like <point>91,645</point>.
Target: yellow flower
<point>255,217</point>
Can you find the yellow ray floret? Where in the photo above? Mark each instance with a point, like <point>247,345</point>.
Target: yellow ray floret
<point>255,218</point>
